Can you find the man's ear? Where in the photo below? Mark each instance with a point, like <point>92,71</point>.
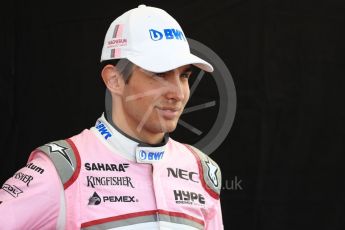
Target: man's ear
<point>113,79</point>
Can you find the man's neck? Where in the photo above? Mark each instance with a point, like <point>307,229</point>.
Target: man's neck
<point>140,135</point>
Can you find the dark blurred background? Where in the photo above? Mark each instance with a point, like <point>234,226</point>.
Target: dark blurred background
<point>286,147</point>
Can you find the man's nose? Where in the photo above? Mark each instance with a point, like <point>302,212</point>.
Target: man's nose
<point>175,88</point>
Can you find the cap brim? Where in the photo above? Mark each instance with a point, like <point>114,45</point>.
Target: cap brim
<point>169,62</point>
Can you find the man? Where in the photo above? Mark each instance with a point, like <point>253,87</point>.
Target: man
<point>125,173</point>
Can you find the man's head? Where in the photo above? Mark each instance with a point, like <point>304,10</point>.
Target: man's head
<point>149,101</point>
<point>148,104</point>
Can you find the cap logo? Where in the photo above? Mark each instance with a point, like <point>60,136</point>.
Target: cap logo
<point>117,31</point>
<point>117,41</point>
<point>167,34</point>
<point>155,35</point>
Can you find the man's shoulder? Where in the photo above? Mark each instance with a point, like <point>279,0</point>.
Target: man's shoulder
<point>64,155</point>
<point>209,169</point>
<point>65,151</point>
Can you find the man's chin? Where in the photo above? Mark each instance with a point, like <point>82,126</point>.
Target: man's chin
<point>170,130</point>
<point>169,126</point>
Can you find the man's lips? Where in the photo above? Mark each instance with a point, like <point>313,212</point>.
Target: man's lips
<point>168,112</point>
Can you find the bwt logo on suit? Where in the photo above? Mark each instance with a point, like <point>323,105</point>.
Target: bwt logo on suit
<point>167,34</point>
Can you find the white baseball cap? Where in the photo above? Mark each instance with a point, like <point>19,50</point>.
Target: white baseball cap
<point>150,38</point>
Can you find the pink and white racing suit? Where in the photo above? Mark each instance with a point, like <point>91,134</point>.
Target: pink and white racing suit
<point>103,179</point>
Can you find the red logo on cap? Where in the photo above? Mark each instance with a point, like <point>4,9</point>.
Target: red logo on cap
<point>117,41</point>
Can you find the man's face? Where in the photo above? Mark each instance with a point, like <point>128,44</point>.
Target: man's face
<point>153,102</point>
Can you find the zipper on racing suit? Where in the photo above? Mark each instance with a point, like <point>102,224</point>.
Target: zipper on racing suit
<point>154,194</point>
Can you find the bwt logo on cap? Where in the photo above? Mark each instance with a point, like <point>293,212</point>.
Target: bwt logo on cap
<point>167,34</point>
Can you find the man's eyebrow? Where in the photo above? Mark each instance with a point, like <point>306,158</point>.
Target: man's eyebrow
<point>187,69</point>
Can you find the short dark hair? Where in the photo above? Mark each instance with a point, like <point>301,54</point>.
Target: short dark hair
<point>124,66</point>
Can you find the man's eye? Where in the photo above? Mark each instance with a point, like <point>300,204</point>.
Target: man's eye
<point>186,75</point>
